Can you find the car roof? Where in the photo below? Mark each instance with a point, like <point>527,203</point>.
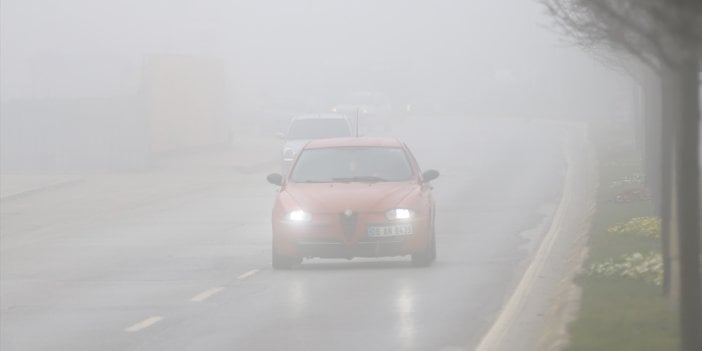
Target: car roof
<point>359,141</point>
<point>320,116</point>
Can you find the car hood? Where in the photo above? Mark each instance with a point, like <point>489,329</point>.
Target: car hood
<point>355,196</point>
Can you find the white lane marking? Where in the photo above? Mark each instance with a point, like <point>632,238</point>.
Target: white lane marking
<point>143,324</point>
<point>493,338</point>
<point>247,274</point>
<point>206,294</point>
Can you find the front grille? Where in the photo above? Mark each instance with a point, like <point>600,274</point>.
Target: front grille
<point>348,224</point>
<point>318,241</point>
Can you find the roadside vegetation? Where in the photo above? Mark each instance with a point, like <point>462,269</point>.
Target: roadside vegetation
<point>622,305</point>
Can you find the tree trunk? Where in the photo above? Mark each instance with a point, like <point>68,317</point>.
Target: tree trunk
<point>687,176</point>
<point>666,179</point>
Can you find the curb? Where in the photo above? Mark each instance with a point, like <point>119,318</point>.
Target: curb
<point>494,338</point>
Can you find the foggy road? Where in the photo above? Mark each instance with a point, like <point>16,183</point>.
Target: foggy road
<point>192,271</point>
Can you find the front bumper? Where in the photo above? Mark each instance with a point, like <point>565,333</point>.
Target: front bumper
<point>330,236</point>
<point>394,247</point>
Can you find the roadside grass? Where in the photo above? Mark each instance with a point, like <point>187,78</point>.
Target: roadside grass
<point>619,313</point>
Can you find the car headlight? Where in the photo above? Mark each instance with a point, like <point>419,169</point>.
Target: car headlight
<point>297,216</point>
<point>288,154</point>
<point>399,213</point>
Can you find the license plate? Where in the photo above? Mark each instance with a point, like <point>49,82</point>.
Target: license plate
<point>389,230</point>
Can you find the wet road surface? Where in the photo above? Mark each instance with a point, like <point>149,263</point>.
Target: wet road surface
<point>191,271</point>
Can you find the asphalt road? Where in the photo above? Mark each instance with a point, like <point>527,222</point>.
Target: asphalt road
<point>190,270</point>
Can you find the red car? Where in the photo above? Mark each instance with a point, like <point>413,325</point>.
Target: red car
<point>353,197</point>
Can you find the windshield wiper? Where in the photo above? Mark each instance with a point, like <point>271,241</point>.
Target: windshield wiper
<point>360,179</point>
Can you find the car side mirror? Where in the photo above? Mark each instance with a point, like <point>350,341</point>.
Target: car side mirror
<point>275,179</point>
<point>430,175</point>
<point>280,135</point>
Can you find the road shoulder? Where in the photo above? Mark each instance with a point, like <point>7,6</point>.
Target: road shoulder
<point>546,299</point>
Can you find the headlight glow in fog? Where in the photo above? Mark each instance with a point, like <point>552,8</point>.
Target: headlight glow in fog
<point>298,216</point>
<point>400,213</point>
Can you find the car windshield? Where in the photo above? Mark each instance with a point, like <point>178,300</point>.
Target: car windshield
<point>318,128</point>
<point>352,164</point>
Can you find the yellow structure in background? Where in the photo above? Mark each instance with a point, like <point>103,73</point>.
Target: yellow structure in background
<point>185,102</point>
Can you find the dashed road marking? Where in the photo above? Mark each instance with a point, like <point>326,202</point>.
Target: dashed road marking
<point>247,274</point>
<point>206,294</point>
<point>143,324</point>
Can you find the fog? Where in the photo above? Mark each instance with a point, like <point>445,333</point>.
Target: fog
<point>136,138</point>
<point>270,58</point>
